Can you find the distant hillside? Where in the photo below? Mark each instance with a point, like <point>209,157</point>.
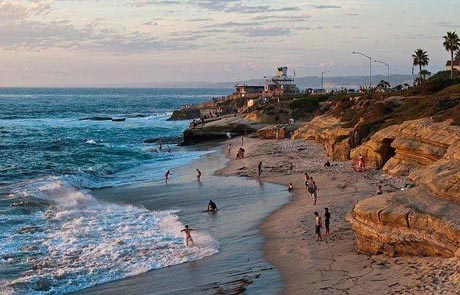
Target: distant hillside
<point>302,82</point>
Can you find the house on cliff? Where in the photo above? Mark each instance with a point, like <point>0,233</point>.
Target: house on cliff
<point>456,65</point>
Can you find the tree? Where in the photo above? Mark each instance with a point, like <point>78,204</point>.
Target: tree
<point>425,73</point>
<point>421,59</point>
<point>451,44</point>
<point>457,55</point>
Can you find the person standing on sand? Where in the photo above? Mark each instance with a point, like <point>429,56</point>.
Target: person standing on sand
<point>290,187</point>
<point>307,178</point>
<point>259,168</point>
<point>318,227</point>
<point>312,188</point>
<point>327,217</point>
<point>361,163</point>
<point>198,176</point>
<point>229,148</point>
<point>242,140</point>
<point>291,167</point>
<point>167,176</point>
<point>188,237</point>
<point>379,190</point>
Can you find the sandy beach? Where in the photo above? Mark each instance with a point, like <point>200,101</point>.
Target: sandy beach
<point>332,266</point>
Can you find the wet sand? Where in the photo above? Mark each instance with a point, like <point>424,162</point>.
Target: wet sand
<point>243,203</point>
<point>331,266</point>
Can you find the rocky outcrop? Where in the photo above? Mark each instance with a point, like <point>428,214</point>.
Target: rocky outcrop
<point>272,132</point>
<point>185,114</point>
<point>378,150</point>
<point>329,132</point>
<point>424,220</point>
<point>215,131</point>
<point>410,222</point>
<point>413,145</point>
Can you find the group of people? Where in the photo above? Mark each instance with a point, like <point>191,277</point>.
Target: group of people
<point>319,224</point>
<point>311,187</point>
<point>160,149</point>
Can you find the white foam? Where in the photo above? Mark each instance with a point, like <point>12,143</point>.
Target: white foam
<point>84,242</point>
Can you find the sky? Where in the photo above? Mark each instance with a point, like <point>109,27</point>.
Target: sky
<point>119,42</point>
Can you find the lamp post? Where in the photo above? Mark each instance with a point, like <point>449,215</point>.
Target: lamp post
<point>322,79</point>
<point>388,68</point>
<point>370,67</point>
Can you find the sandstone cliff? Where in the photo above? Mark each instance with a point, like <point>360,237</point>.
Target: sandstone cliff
<point>424,220</point>
<point>328,131</point>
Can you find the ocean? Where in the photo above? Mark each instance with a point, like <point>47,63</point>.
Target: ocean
<point>57,146</point>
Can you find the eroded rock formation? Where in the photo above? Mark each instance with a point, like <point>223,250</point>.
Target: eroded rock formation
<point>272,132</point>
<point>329,132</point>
<point>424,220</point>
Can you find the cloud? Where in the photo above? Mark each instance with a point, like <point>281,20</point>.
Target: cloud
<point>13,11</point>
<point>449,25</point>
<point>241,8</point>
<point>215,5</point>
<point>143,3</point>
<point>287,18</point>
<point>264,31</point>
<point>326,6</point>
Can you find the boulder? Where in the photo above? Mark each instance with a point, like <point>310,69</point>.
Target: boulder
<point>185,114</point>
<point>272,132</point>
<point>409,222</point>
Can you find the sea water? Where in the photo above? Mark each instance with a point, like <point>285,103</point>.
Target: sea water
<point>55,237</point>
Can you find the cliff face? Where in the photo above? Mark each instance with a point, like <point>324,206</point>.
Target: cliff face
<point>329,132</point>
<point>402,149</point>
<point>409,222</point>
<point>424,220</point>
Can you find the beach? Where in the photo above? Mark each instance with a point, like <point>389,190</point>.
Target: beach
<point>332,266</point>
<point>243,203</point>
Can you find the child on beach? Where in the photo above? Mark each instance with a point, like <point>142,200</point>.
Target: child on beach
<point>188,237</point>
<point>327,217</point>
<point>167,176</point>
<point>318,226</point>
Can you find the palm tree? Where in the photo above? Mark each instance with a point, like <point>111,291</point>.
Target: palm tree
<point>451,44</point>
<point>421,59</point>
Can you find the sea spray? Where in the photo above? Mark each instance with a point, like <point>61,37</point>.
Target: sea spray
<point>79,242</point>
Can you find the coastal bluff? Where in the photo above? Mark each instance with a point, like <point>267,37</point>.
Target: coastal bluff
<point>423,220</point>
<point>329,132</point>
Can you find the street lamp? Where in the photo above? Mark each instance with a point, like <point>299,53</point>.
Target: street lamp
<point>370,67</point>
<point>322,79</point>
<point>388,68</point>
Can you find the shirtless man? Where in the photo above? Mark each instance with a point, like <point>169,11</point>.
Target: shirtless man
<point>361,163</point>
<point>167,176</point>
<point>318,227</point>
<point>188,237</point>
<point>198,176</point>
<point>312,188</point>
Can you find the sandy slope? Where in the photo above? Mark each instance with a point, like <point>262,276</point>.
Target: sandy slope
<point>332,266</point>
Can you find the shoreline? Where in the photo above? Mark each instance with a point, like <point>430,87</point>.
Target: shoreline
<point>235,227</point>
<point>332,266</point>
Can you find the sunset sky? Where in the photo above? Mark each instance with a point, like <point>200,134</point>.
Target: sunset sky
<point>102,42</point>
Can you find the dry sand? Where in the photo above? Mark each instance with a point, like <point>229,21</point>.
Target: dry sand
<point>332,266</point>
